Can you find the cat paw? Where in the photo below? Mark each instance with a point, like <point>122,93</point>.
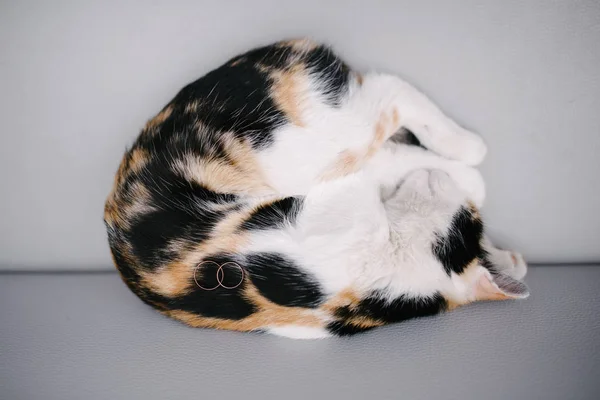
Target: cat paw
<point>471,182</point>
<point>464,146</point>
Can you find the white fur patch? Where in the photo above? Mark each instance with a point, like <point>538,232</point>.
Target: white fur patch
<point>299,332</point>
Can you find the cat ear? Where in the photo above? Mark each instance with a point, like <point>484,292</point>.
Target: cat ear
<point>500,286</point>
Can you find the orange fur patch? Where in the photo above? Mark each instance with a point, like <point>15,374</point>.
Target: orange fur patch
<point>364,322</point>
<point>303,45</point>
<point>345,164</point>
<point>253,322</point>
<point>138,202</point>
<point>138,159</point>
<point>111,213</point>
<point>289,91</point>
<point>117,207</point>
<point>349,161</point>
<point>386,126</point>
<point>265,69</point>
<point>349,298</point>
<point>191,107</point>
<point>395,121</point>
<point>475,214</point>
<point>160,118</point>
<point>121,172</point>
<point>452,305</point>
<point>359,79</point>
<point>242,176</point>
<point>237,61</point>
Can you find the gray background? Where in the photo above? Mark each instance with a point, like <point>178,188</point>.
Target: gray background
<point>79,79</point>
<point>85,336</point>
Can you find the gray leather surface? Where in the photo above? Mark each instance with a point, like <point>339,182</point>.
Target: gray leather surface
<point>86,337</point>
<point>78,79</point>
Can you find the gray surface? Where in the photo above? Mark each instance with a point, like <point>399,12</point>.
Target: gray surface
<point>86,337</point>
<point>78,80</point>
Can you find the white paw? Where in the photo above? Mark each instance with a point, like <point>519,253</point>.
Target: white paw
<point>470,181</point>
<point>519,269</point>
<point>464,146</point>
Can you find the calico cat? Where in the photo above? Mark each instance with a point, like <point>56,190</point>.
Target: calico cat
<point>285,192</point>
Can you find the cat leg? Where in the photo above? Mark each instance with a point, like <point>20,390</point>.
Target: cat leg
<point>420,115</point>
<point>383,104</point>
<point>324,141</point>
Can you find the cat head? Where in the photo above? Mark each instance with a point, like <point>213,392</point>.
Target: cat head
<point>447,234</point>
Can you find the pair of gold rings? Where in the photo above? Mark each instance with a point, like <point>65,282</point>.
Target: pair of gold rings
<point>220,275</point>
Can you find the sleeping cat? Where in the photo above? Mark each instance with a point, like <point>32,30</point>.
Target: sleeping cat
<point>287,193</point>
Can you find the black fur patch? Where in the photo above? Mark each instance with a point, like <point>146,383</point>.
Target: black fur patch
<point>236,99</point>
<point>484,260</point>
<point>281,281</point>
<point>461,244</point>
<point>340,328</point>
<point>130,275</point>
<point>220,302</point>
<point>331,71</point>
<point>274,56</point>
<point>402,308</point>
<point>404,136</point>
<point>274,215</point>
<point>378,308</point>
